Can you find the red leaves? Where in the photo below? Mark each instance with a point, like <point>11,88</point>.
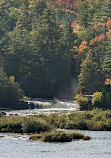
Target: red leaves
<point>97,39</point>
<point>73,24</point>
<point>108,24</point>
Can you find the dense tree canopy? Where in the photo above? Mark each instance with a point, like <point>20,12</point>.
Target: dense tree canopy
<point>46,43</point>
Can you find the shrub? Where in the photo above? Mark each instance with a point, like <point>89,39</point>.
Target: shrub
<point>76,124</point>
<point>76,135</point>
<point>97,99</point>
<point>61,136</point>
<point>32,125</point>
<point>96,126</point>
<point>11,124</point>
<point>57,136</point>
<point>83,102</point>
<point>10,92</point>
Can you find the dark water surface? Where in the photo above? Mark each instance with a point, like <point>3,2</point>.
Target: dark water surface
<point>18,146</point>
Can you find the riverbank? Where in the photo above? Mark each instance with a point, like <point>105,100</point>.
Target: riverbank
<point>95,120</point>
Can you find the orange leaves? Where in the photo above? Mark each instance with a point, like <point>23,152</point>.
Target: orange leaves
<point>97,39</point>
<point>79,50</point>
<point>107,81</point>
<point>108,34</point>
<point>82,46</point>
<point>108,24</point>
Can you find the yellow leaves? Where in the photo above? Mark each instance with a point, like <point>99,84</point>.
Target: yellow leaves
<point>82,46</point>
<point>75,48</point>
<point>78,51</point>
<point>61,26</point>
<point>31,6</point>
<point>76,28</point>
<point>107,81</point>
<point>97,98</point>
<point>11,79</point>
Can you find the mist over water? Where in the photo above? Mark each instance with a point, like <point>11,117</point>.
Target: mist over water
<point>70,90</point>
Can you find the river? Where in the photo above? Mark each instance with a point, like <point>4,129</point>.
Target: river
<point>45,106</point>
<point>18,146</point>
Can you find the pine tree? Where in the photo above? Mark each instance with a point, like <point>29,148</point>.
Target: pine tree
<point>107,60</point>
<point>3,35</point>
<point>90,79</point>
<point>45,39</point>
<point>83,13</point>
<point>105,12</point>
<point>24,19</point>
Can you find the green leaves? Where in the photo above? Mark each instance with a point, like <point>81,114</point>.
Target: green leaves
<point>89,78</point>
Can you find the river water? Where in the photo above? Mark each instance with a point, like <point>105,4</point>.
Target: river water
<point>44,106</point>
<point>18,146</point>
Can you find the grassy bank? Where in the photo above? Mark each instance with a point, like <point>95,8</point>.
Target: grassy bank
<point>23,125</point>
<point>87,120</point>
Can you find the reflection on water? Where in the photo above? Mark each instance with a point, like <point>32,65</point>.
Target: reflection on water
<point>98,147</point>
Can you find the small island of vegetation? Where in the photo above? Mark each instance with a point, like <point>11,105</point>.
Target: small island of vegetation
<point>58,136</point>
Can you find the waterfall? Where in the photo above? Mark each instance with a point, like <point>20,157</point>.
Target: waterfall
<point>55,103</point>
<point>45,106</point>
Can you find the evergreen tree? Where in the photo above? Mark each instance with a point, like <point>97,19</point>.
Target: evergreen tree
<point>90,78</point>
<point>3,35</point>
<point>83,13</point>
<point>107,60</point>
<point>105,12</point>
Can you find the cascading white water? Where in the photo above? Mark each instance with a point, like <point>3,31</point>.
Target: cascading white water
<point>55,103</point>
<point>45,106</point>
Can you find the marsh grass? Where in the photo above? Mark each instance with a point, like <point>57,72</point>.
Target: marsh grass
<point>32,125</point>
<point>58,136</point>
<point>23,125</point>
<point>97,120</point>
<point>11,124</point>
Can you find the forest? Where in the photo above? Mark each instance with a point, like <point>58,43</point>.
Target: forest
<point>48,46</point>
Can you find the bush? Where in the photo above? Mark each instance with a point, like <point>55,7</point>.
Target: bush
<point>61,136</point>
<point>32,125</point>
<point>83,102</point>
<point>97,99</point>
<point>58,136</point>
<point>96,126</point>
<point>11,124</point>
<point>10,92</point>
<point>79,124</point>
